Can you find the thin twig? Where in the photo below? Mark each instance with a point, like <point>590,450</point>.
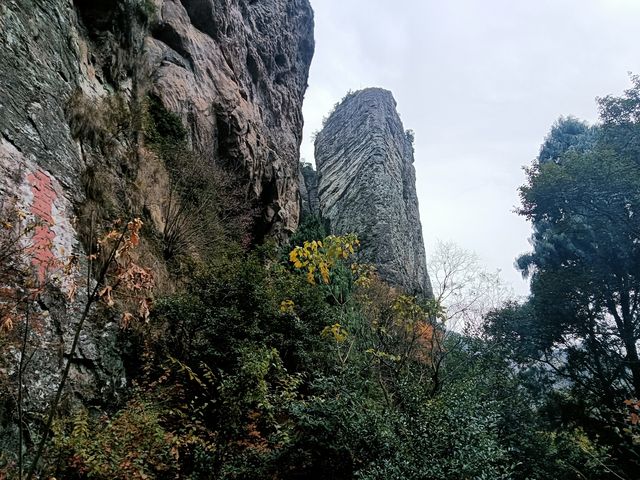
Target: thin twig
<point>21,368</point>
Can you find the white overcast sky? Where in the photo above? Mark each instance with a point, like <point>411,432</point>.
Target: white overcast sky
<point>480,82</point>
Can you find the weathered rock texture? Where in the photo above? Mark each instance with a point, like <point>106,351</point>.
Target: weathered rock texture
<point>366,185</point>
<point>45,59</point>
<point>236,71</point>
<point>309,190</point>
<point>75,76</point>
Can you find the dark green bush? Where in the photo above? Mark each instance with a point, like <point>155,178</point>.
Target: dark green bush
<point>254,384</point>
<point>164,128</point>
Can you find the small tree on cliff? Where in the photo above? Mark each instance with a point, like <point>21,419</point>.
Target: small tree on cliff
<point>28,269</point>
<point>115,269</point>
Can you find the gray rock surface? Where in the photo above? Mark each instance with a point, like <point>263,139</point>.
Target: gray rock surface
<point>41,60</point>
<point>44,58</point>
<point>366,185</point>
<point>236,72</point>
<point>309,190</point>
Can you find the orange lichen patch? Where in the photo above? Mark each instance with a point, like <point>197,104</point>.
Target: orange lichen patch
<point>44,195</point>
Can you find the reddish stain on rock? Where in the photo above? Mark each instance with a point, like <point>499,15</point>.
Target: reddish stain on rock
<point>42,209</point>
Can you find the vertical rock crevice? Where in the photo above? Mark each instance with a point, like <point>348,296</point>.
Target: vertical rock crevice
<point>309,190</point>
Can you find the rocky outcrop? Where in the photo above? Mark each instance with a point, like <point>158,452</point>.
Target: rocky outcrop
<point>309,190</point>
<point>366,185</point>
<point>236,72</point>
<point>46,59</point>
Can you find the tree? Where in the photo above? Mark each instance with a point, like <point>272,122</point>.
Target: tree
<point>582,320</point>
<point>463,287</point>
<point>567,134</point>
<point>586,258</point>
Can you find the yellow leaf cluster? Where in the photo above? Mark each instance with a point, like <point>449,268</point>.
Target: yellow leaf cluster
<point>383,355</point>
<point>407,310</point>
<point>336,331</point>
<point>287,307</point>
<point>364,274</point>
<point>318,257</point>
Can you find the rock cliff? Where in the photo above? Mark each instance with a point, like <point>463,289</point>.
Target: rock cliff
<point>309,190</point>
<point>366,185</point>
<point>236,72</point>
<point>75,78</point>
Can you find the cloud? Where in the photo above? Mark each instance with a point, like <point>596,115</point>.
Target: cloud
<point>480,83</point>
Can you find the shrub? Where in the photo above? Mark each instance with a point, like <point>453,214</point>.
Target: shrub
<point>205,208</point>
<point>311,228</point>
<point>130,445</point>
<point>163,128</point>
<point>98,121</point>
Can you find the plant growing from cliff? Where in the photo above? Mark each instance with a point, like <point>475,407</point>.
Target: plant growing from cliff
<point>98,121</point>
<point>17,291</point>
<point>325,119</point>
<point>163,128</point>
<point>124,276</point>
<point>190,203</point>
<point>411,136</point>
<point>205,207</point>
<point>146,10</point>
<point>27,270</point>
<point>14,269</point>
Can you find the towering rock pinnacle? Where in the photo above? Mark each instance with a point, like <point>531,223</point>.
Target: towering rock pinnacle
<point>366,185</point>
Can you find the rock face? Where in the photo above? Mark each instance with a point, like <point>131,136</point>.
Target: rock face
<point>309,190</point>
<point>366,185</point>
<point>236,72</point>
<point>74,76</point>
<point>46,58</point>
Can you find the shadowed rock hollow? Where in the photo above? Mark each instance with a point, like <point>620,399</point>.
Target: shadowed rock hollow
<point>366,184</point>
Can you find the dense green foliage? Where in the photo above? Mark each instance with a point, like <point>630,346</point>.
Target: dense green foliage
<point>258,371</point>
<point>295,362</point>
<point>164,128</point>
<point>581,326</point>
